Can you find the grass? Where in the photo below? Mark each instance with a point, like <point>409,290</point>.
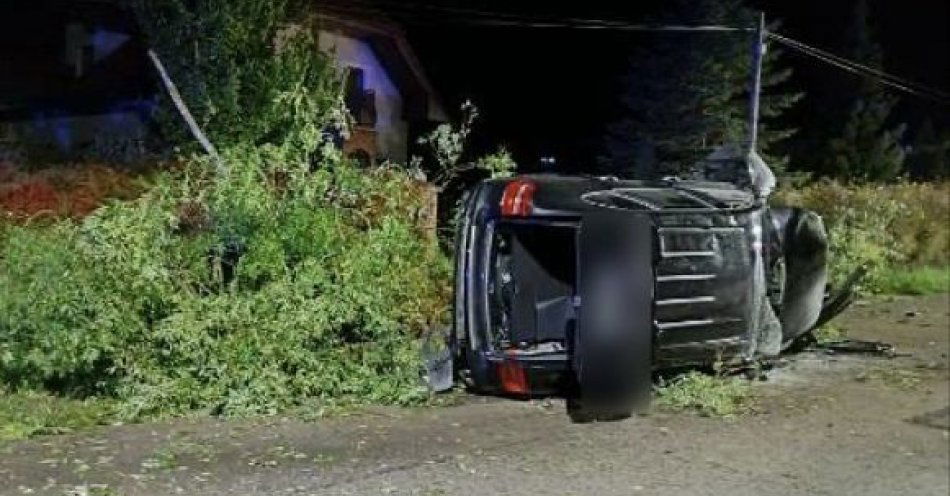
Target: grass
<point>916,280</point>
<point>830,333</point>
<point>28,414</point>
<point>709,395</point>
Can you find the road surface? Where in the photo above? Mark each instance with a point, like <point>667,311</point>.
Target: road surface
<point>843,425</point>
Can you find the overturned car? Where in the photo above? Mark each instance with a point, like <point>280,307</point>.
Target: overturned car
<point>587,285</point>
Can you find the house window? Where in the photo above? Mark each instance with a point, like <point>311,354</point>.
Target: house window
<point>359,101</point>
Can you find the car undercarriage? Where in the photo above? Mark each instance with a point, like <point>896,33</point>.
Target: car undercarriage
<point>586,286</point>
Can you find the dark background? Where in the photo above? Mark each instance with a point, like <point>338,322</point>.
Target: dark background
<point>551,91</point>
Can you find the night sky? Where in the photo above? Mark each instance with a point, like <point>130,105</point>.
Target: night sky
<point>550,92</point>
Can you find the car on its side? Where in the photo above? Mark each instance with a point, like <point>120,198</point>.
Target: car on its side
<point>586,286</point>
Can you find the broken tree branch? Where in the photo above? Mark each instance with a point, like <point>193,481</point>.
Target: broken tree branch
<point>186,114</point>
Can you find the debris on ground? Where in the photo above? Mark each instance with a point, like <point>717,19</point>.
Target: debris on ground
<point>856,346</point>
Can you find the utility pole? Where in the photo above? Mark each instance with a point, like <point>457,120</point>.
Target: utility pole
<point>755,92</point>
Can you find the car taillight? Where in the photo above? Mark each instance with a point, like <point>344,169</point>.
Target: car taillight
<point>512,378</point>
<point>518,198</point>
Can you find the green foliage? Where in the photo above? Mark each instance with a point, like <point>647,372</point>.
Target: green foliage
<point>249,71</point>
<point>856,241</point>
<point>446,144</point>
<point>915,280</point>
<point>498,165</point>
<point>710,395</point>
<point>867,150</point>
<point>147,301</point>
<point>867,147</point>
<point>294,279</point>
<point>687,93</point>
<point>446,169</point>
<point>27,414</point>
<point>881,227</point>
<point>830,333</point>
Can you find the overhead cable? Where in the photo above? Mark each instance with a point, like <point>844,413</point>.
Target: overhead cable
<point>891,80</point>
<point>474,17</point>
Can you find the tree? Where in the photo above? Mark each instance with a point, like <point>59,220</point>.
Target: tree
<point>687,93</point>
<point>249,70</point>
<point>929,157</point>
<point>867,148</point>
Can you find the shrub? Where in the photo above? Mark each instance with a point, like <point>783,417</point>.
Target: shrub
<point>446,144</point>
<point>283,277</point>
<point>879,225</point>
<point>249,70</point>
<point>498,165</point>
<point>314,289</point>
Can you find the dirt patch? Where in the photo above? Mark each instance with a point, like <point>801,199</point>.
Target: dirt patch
<point>826,424</point>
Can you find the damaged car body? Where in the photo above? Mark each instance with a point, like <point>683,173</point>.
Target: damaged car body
<point>585,286</point>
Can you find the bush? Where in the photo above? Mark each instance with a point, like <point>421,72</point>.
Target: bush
<point>239,295</point>
<point>249,70</point>
<point>276,277</point>
<point>879,225</point>
<point>282,277</point>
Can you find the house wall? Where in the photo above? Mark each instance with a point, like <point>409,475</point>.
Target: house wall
<point>116,136</point>
<point>392,131</point>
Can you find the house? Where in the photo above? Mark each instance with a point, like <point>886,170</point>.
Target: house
<point>388,93</point>
<point>75,76</point>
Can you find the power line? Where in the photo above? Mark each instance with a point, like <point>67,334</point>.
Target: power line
<point>474,17</point>
<point>891,80</point>
<point>610,27</point>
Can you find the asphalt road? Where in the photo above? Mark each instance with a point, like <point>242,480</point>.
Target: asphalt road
<point>836,425</point>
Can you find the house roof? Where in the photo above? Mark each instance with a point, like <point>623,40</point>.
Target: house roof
<point>388,40</point>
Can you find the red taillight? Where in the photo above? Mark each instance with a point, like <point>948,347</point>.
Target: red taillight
<point>518,198</point>
<point>513,379</point>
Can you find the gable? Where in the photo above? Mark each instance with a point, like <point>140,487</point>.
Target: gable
<point>395,56</point>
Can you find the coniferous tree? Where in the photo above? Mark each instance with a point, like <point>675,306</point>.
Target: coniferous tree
<point>687,93</point>
<point>930,155</point>
<point>868,148</point>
